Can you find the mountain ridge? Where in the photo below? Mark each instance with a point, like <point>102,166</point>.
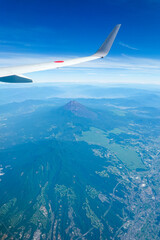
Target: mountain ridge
<point>79,110</point>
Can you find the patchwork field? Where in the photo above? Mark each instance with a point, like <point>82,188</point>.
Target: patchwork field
<point>126,154</point>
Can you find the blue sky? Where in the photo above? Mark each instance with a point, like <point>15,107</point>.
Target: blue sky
<point>36,31</point>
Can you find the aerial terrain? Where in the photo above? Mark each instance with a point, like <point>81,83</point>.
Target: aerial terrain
<point>79,164</point>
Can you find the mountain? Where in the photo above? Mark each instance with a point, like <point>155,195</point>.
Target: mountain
<point>79,110</point>
<point>80,170</point>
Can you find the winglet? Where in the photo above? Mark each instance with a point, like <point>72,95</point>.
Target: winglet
<point>106,46</point>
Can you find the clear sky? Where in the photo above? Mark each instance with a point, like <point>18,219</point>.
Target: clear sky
<point>34,31</point>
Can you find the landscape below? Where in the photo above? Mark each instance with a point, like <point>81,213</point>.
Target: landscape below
<point>86,168</point>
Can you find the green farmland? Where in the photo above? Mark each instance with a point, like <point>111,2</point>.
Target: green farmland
<point>126,154</point>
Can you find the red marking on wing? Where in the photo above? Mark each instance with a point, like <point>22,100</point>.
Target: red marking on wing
<point>58,61</point>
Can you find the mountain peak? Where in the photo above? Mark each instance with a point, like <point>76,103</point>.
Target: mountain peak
<point>73,106</point>
<point>79,110</point>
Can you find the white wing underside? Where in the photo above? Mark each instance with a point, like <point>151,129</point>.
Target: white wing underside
<point>19,70</point>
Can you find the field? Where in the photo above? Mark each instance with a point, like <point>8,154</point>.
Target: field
<point>126,154</point>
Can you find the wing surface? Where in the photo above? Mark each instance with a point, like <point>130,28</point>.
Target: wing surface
<point>11,72</point>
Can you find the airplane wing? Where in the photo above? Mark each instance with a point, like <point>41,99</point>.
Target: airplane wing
<point>12,74</point>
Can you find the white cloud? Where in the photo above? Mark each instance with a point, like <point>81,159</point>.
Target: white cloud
<point>128,46</point>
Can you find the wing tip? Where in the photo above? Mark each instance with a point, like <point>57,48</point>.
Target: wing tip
<point>119,25</point>
<point>106,46</point>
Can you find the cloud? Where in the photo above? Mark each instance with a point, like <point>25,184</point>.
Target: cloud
<point>128,46</point>
<point>126,63</point>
